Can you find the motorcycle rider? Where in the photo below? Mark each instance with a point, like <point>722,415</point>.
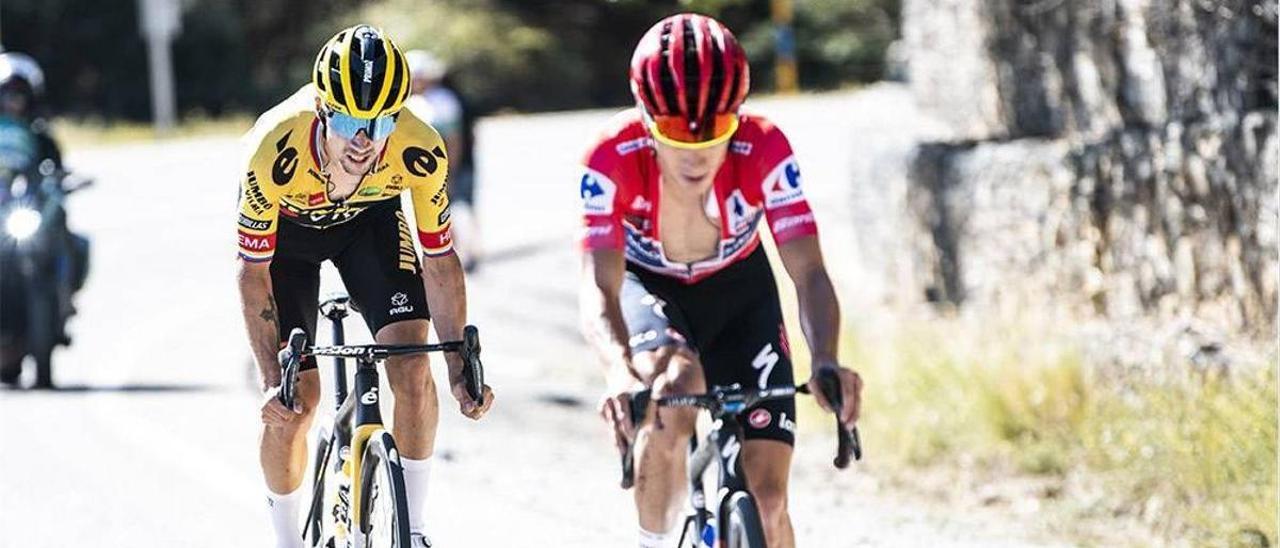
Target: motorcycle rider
<point>28,149</point>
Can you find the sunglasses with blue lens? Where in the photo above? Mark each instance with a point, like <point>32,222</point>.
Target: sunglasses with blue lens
<point>347,126</point>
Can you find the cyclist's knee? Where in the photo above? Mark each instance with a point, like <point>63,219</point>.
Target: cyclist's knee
<point>410,379</point>
<point>663,360</point>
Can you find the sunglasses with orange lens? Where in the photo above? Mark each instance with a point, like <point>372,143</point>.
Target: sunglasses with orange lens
<point>675,131</point>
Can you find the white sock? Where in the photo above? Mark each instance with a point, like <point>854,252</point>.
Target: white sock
<point>284,518</point>
<point>654,540</point>
<point>416,474</point>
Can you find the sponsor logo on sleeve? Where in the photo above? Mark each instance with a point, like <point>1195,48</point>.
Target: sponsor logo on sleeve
<point>740,147</point>
<point>257,202</point>
<point>787,223</point>
<point>597,193</point>
<point>444,215</point>
<point>254,224</point>
<point>782,186</point>
<point>419,162</point>
<point>627,147</point>
<point>257,243</point>
<point>286,162</point>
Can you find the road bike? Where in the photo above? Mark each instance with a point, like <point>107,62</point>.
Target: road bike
<point>358,495</point>
<point>736,523</point>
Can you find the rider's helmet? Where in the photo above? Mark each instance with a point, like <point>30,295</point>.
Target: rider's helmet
<point>21,75</point>
<point>689,76</point>
<point>361,73</point>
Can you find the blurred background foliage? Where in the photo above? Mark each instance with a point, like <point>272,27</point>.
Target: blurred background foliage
<point>238,56</point>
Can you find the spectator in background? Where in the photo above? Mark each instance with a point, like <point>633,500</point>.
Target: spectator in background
<point>437,102</point>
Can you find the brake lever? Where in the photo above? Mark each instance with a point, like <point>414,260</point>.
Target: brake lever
<point>637,407</point>
<point>848,442</point>
<point>472,368</point>
<point>290,357</point>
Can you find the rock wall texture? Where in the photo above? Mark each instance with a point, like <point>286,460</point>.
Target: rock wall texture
<point>1115,158</point>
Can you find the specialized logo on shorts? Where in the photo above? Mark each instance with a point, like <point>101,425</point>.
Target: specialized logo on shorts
<point>286,162</point>
<point>782,186</point>
<point>418,162</point>
<point>597,193</point>
<point>760,418</point>
<point>400,304</point>
<point>764,362</point>
<point>253,224</point>
<point>641,338</point>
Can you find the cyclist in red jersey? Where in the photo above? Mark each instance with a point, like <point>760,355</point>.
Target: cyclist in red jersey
<point>677,292</point>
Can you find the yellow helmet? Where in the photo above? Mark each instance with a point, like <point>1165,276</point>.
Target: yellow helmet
<point>360,72</point>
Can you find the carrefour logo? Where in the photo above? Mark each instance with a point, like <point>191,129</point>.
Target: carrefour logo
<point>782,186</point>
<point>597,193</point>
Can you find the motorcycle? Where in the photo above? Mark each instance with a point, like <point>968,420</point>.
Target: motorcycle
<point>42,264</point>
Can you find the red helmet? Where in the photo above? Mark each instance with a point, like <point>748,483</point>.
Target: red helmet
<point>691,66</point>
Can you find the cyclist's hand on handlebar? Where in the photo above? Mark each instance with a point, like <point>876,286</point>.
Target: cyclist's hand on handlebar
<point>468,406</point>
<point>275,413</point>
<point>615,406</point>
<point>850,388</point>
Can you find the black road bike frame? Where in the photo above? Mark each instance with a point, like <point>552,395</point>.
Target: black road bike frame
<point>353,413</point>
<point>723,443</point>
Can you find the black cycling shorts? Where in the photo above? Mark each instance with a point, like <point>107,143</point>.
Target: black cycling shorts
<point>732,320</point>
<point>373,252</point>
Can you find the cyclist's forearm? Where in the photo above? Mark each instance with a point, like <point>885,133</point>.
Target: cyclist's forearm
<point>260,317</point>
<point>605,328</point>
<point>446,295</point>
<point>819,313</point>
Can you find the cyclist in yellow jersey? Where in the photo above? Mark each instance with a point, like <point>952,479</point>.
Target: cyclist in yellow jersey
<point>324,173</point>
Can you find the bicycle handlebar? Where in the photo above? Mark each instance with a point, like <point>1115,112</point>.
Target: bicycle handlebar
<point>848,444</point>
<point>468,349</point>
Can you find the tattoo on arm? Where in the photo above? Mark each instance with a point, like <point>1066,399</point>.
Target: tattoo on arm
<point>268,314</point>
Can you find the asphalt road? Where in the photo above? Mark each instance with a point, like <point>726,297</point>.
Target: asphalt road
<point>151,440</point>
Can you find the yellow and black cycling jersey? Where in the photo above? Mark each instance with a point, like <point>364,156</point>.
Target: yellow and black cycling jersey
<point>282,182</point>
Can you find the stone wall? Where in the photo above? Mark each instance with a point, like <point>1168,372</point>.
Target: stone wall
<point>1113,158</point>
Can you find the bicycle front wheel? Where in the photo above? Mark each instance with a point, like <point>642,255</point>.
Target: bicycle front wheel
<point>384,508</point>
<point>740,522</point>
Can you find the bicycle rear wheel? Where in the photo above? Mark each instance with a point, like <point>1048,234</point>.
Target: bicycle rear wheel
<point>384,508</point>
<point>740,522</point>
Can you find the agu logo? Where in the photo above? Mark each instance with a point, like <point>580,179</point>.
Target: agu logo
<point>597,193</point>
<point>400,304</point>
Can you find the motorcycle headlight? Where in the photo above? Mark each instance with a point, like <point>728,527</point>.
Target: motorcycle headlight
<point>22,223</point>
